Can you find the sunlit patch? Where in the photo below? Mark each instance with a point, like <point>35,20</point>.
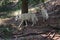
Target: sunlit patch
<point>1,21</point>
<point>15,13</point>
<point>33,10</point>
<point>57,2</point>
<point>13,0</point>
<point>53,3</point>
<point>20,28</point>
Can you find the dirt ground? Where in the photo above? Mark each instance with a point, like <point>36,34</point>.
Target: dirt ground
<point>41,31</point>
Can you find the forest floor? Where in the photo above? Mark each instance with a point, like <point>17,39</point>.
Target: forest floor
<point>41,31</point>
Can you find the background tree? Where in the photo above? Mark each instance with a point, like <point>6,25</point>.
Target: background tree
<point>24,6</point>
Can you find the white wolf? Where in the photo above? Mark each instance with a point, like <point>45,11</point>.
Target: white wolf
<point>44,13</point>
<point>27,16</point>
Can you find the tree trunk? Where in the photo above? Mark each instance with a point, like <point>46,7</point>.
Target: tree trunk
<point>24,6</point>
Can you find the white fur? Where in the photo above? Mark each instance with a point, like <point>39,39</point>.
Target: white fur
<point>27,16</point>
<point>44,14</point>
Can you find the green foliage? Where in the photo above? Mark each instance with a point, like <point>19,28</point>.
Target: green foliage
<point>42,1</point>
<point>5,2</point>
<point>36,1</point>
<point>3,7</point>
<point>33,1</point>
<point>6,14</point>
<point>6,31</point>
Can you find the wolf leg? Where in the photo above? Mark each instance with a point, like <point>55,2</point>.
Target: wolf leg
<point>20,24</point>
<point>26,23</point>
